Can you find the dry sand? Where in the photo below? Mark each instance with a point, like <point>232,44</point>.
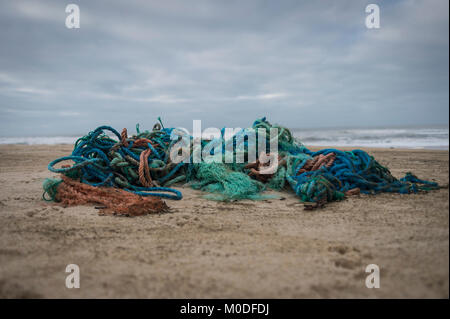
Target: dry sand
<point>206,249</point>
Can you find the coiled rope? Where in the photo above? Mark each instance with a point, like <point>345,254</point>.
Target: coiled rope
<point>141,165</point>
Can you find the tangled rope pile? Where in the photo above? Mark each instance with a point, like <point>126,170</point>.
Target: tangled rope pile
<point>141,166</point>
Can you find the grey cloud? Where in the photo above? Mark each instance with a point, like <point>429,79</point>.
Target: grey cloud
<point>301,63</point>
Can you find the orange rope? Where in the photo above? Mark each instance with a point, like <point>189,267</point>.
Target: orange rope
<point>114,200</point>
<point>124,137</point>
<point>318,162</point>
<point>257,167</point>
<point>353,191</point>
<point>144,171</point>
<point>142,142</point>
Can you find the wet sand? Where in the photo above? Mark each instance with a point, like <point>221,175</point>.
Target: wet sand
<point>207,249</point>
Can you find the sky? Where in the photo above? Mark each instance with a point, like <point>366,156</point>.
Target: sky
<point>302,64</point>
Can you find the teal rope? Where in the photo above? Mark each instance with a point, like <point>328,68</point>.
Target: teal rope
<point>104,161</point>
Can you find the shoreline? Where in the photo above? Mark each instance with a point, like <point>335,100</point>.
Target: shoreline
<point>311,147</point>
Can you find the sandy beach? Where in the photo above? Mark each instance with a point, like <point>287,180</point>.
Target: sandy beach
<point>207,249</point>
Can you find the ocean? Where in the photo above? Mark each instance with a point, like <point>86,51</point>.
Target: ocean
<point>409,137</point>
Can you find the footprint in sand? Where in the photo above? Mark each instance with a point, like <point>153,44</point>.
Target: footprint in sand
<point>32,212</point>
<point>350,256</point>
<point>347,263</point>
<point>341,249</point>
<point>43,211</point>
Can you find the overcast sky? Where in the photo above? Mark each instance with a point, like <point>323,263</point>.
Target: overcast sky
<point>300,63</point>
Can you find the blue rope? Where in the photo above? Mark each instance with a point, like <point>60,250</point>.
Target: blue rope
<point>143,191</point>
<point>102,161</point>
<point>94,167</point>
<point>350,170</point>
<point>79,163</point>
